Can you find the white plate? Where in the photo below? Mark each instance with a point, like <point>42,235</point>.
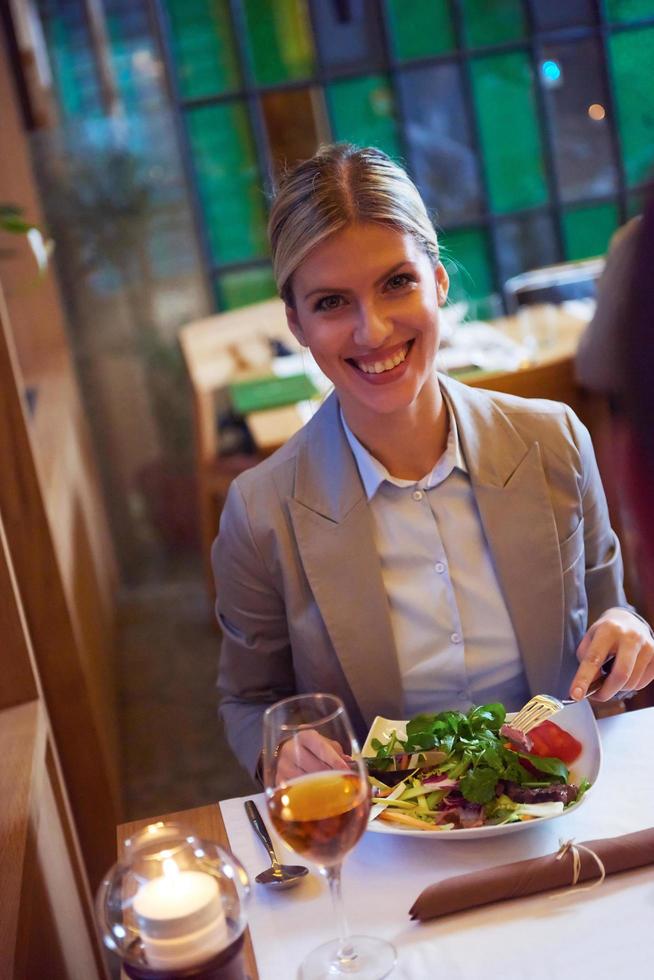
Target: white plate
<point>578,719</point>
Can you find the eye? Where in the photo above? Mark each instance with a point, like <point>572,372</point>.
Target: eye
<point>399,280</point>
<point>326,303</point>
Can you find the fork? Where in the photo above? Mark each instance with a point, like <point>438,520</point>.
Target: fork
<point>543,706</point>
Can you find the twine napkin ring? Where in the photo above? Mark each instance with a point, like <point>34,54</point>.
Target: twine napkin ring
<point>569,846</point>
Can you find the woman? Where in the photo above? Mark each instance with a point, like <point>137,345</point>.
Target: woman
<point>419,545</point>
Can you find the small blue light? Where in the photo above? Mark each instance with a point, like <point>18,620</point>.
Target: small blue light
<point>551,71</point>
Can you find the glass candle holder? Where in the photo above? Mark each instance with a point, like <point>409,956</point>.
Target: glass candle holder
<point>175,907</point>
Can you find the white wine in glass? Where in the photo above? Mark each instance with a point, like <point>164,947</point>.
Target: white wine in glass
<point>318,798</point>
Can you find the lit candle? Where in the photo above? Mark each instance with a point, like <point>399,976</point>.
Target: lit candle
<point>180,917</point>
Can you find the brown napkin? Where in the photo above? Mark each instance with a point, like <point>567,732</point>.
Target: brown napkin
<point>537,875</point>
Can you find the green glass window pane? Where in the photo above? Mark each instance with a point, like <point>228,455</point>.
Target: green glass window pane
<point>420,28</point>
<point>244,287</point>
<point>280,40</point>
<point>625,10</point>
<point>203,47</point>
<point>363,112</point>
<point>493,21</point>
<point>466,256</point>
<point>229,182</point>
<point>503,88</point>
<point>587,230</point>
<point>632,57</point>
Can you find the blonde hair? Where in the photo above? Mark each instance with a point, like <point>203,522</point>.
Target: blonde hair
<point>340,185</point>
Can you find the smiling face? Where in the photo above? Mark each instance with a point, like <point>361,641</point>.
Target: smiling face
<point>366,305</point>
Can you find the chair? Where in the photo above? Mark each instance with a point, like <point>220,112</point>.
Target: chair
<point>553,284</point>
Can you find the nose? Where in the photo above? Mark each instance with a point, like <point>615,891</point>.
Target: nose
<point>371,328</point>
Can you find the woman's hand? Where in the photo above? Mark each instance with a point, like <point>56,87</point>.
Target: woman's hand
<point>309,752</point>
<point>621,634</point>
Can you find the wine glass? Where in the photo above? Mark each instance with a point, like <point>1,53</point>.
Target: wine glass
<point>318,798</point>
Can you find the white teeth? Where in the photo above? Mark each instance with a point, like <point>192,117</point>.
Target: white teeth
<point>386,365</point>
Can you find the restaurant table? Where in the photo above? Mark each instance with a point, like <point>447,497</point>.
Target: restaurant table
<point>585,933</point>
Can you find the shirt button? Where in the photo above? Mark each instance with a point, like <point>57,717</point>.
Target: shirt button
<point>417,494</point>
<point>440,567</point>
<point>455,637</point>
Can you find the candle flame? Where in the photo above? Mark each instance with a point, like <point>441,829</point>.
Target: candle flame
<point>170,868</point>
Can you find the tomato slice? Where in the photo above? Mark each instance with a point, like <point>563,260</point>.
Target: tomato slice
<point>552,741</point>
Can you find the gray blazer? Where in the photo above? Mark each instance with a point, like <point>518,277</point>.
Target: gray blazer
<point>300,595</point>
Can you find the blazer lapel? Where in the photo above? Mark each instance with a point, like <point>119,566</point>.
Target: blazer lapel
<point>516,512</point>
<point>334,532</point>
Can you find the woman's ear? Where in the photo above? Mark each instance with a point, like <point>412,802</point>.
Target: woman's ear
<point>442,283</point>
<point>294,325</point>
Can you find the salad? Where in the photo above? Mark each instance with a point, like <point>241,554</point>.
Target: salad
<point>481,779</point>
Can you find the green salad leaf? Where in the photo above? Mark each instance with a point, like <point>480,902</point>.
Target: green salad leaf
<point>550,766</point>
<point>478,784</point>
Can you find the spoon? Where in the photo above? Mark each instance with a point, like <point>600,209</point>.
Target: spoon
<point>279,875</point>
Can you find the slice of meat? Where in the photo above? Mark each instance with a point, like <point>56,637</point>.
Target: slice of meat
<point>556,792</point>
<point>521,740</point>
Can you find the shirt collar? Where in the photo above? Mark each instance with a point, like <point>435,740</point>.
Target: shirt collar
<point>373,473</point>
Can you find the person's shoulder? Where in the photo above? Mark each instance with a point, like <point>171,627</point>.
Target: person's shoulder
<point>543,420</point>
<point>552,424</point>
<point>522,410</point>
<point>534,411</point>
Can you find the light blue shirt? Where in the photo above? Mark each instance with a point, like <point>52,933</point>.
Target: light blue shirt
<point>454,638</point>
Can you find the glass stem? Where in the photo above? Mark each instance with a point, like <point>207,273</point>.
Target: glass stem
<point>346,955</point>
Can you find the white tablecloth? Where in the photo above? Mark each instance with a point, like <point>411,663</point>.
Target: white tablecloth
<point>605,932</point>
